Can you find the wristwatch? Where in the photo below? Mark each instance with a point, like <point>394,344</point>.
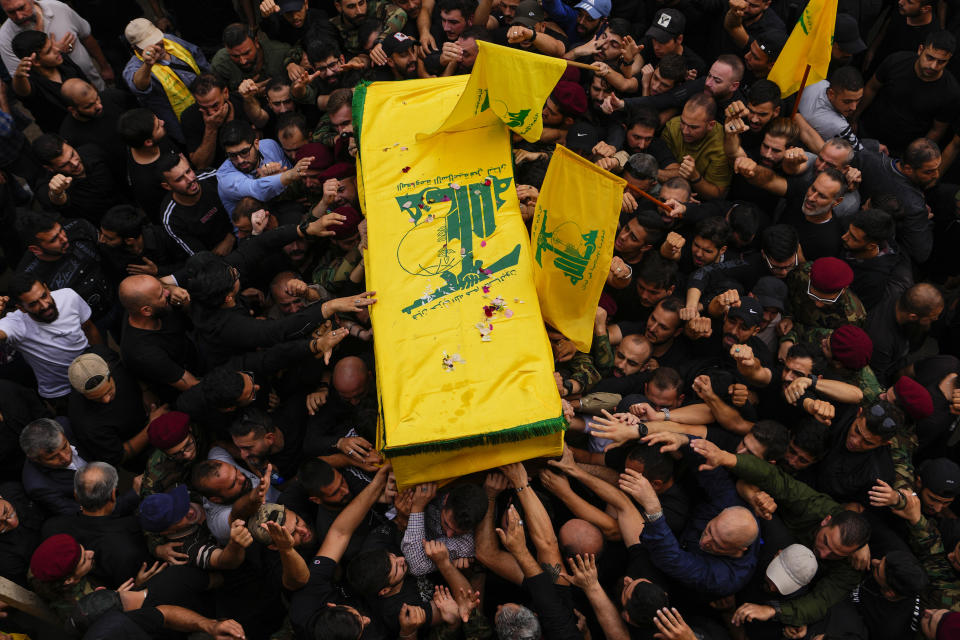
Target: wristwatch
<point>666,413</point>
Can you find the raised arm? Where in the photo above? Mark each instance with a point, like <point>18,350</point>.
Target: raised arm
<point>338,537</point>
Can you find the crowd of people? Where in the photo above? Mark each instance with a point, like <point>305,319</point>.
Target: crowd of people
<point>762,440</point>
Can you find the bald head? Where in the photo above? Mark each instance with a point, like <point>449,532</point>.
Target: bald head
<point>578,536</point>
<point>143,295</point>
<point>737,527</point>
<point>350,377</point>
<point>631,354</point>
<point>922,304</point>
<point>83,99</point>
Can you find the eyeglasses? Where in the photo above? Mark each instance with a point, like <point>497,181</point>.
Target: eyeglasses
<point>779,269</point>
<point>189,445</point>
<point>827,300</point>
<point>240,153</point>
<point>253,384</point>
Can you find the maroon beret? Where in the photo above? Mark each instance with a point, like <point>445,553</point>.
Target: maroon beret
<point>913,397</point>
<point>321,154</point>
<point>339,171</point>
<point>949,627</point>
<point>56,558</point>
<point>168,430</point>
<point>830,274</point>
<point>570,97</point>
<point>349,227</point>
<point>851,346</point>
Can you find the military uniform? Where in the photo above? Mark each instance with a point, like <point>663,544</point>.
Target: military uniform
<point>391,17</point>
<point>812,323</point>
<point>580,369</point>
<point>164,472</point>
<point>927,545</point>
<point>602,353</point>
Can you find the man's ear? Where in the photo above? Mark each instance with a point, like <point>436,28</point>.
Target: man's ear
<point>164,185</point>
<point>72,111</point>
<point>35,250</point>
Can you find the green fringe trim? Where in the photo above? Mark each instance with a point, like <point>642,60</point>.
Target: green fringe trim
<point>359,97</point>
<point>513,434</point>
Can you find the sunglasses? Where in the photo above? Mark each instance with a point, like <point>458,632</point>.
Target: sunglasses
<point>877,411</point>
<point>827,300</point>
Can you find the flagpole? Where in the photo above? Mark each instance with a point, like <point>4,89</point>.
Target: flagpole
<point>580,65</point>
<point>803,82</point>
<point>644,194</point>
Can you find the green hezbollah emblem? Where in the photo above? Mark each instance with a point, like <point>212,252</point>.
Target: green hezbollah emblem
<point>512,119</point>
<point>573,247</point>
<point>472,214</point>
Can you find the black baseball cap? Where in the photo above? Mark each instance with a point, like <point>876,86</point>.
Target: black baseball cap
<point>750,311</point>
<point>397,43</point>
<point>667,25</point>
<point>846,35</point>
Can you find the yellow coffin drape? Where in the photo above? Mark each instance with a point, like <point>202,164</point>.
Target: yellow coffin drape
<point>506,85</point>
<point>811,42</point>
<point>574,227</point>
<point>464,367</point>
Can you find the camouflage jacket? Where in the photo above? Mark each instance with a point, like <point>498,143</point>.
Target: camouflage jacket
<point>580,369</point>
<point>925,541</point>
<point>391,18</point>
<point>602,353</point>
<point>812,323</point>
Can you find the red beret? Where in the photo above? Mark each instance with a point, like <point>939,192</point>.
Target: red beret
<point>339,171</point>
<point>913,397</point>
<point>830,274</point>
<point>56,558</point>
<point>570,98</point>
<point>851,346</point>
<point>169,430</point>
<point>949,627</point>
<point>321,154</point>
<point>349,227</point>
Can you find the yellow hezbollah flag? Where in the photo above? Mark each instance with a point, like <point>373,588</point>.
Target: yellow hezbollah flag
<point>572,237</point>
<point>464,366</point>
<point>811,43</point>
<point>507,85</point>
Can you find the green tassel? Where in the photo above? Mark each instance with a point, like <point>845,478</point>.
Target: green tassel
<point>359,97</point>
<point>513,434</point>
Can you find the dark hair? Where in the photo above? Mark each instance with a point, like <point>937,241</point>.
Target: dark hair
<point>656,465</point>
<point>252,420</point>
<point>22,282</point>
<point>904,574</point>
<point>889,203</point>
<point>846,78</point>
<point>237,132</point>
<point>837,177</point>
<point>882,418</point>
<point>210,279</point>
<point>618,26</point>
<point>166,162</point>
<point>666,378</point>
<point>245,207</point>
<point>367,28</point>
<point>315,474</point>
<point>338,98</point>
<point>764,91</point>
<point>921,151</point>
<point>645,600</point>
<point>205,83</point>
<point>676,182</point>
<point>336,623</point>
<point>877,225</point>
<point>812,437</point>
<point>468,503</point>
<point>292,120</point>
<point>279,83</point>
<point>201,473</point>
<point>369,572</point>
<point>475,31</point>
<point>653,224</point>
<point>27,43</point>
<point>854,528</point>
<point>744,222</point>
<point>465,7</point>
<point>735,64</point>
<point>673,304</point>
<point>941,40</point>
<point>235,34</point>
<point>644,116</point>
<point>322,48</point>
<point>48,147</point>
<point>124,220</point>
<point>780,241</point>
<point>715,229</point>
<point>806,350</point>
<point>673,67</point>
<point>783,128</point>
<point>32,223</point>
<point>135,126</point>
<point>656,271</point>
<point>773,436</point>
<point>222,386</point>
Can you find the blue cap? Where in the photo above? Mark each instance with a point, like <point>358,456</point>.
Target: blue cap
<point>596,9</point>
<point>160,511</point>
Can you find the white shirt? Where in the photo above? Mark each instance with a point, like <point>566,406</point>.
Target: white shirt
<point>816,109</point>
<point>50,347</point>
<point>76,462</point>
<point>58,20</point>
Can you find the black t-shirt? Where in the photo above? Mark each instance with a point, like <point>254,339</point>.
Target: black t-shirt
<point>906,107</point>
<point>689,56</point>
<point>201,226</point>
<point>101,131</point>
<point>901,36</point>
<point>847,476</point>
<point>817,239</point>
<point>160,356</point>
<point>102,428</point>
<point>117,541</point>
<point>191,121</point>
<point>659,150</point>
<point>140,624</point>
<point>90,196</point>
<point>145,183</point>
<point>17,546</point>
<point>45,102</point>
